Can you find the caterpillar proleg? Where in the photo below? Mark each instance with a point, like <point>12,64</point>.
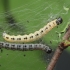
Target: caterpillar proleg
<point>33,36</point>
<point>25,47</point>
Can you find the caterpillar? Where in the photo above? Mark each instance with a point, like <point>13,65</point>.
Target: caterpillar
<point>33,36</point>
<point>25,47</point>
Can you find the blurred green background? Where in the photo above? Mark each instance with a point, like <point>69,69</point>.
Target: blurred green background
<point>30,16</point>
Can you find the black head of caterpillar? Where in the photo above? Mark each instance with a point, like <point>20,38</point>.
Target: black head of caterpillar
<point>59,20</point>
<point>25,47</point>
<point>49,51</point>
<point>33,36</point>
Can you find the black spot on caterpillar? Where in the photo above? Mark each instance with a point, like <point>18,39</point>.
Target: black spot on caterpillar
<point>32,36</point>
<point>25,47</point>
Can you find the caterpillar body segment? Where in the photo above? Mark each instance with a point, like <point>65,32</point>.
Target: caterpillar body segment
<point>25,47</point>
<point>33,36</point>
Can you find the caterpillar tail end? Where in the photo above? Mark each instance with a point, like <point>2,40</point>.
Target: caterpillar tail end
<point>4,34</point>
<point>59,20</point>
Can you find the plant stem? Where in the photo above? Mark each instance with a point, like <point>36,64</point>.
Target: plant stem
<point>63,45</point>
<point>55,58</point>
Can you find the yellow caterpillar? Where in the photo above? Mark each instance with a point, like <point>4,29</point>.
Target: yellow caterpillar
<point>33,36</point>
<point>25,47</point>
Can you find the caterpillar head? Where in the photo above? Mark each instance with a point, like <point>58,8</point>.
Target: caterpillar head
<point>49,50</point>
<point>59,20</point>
